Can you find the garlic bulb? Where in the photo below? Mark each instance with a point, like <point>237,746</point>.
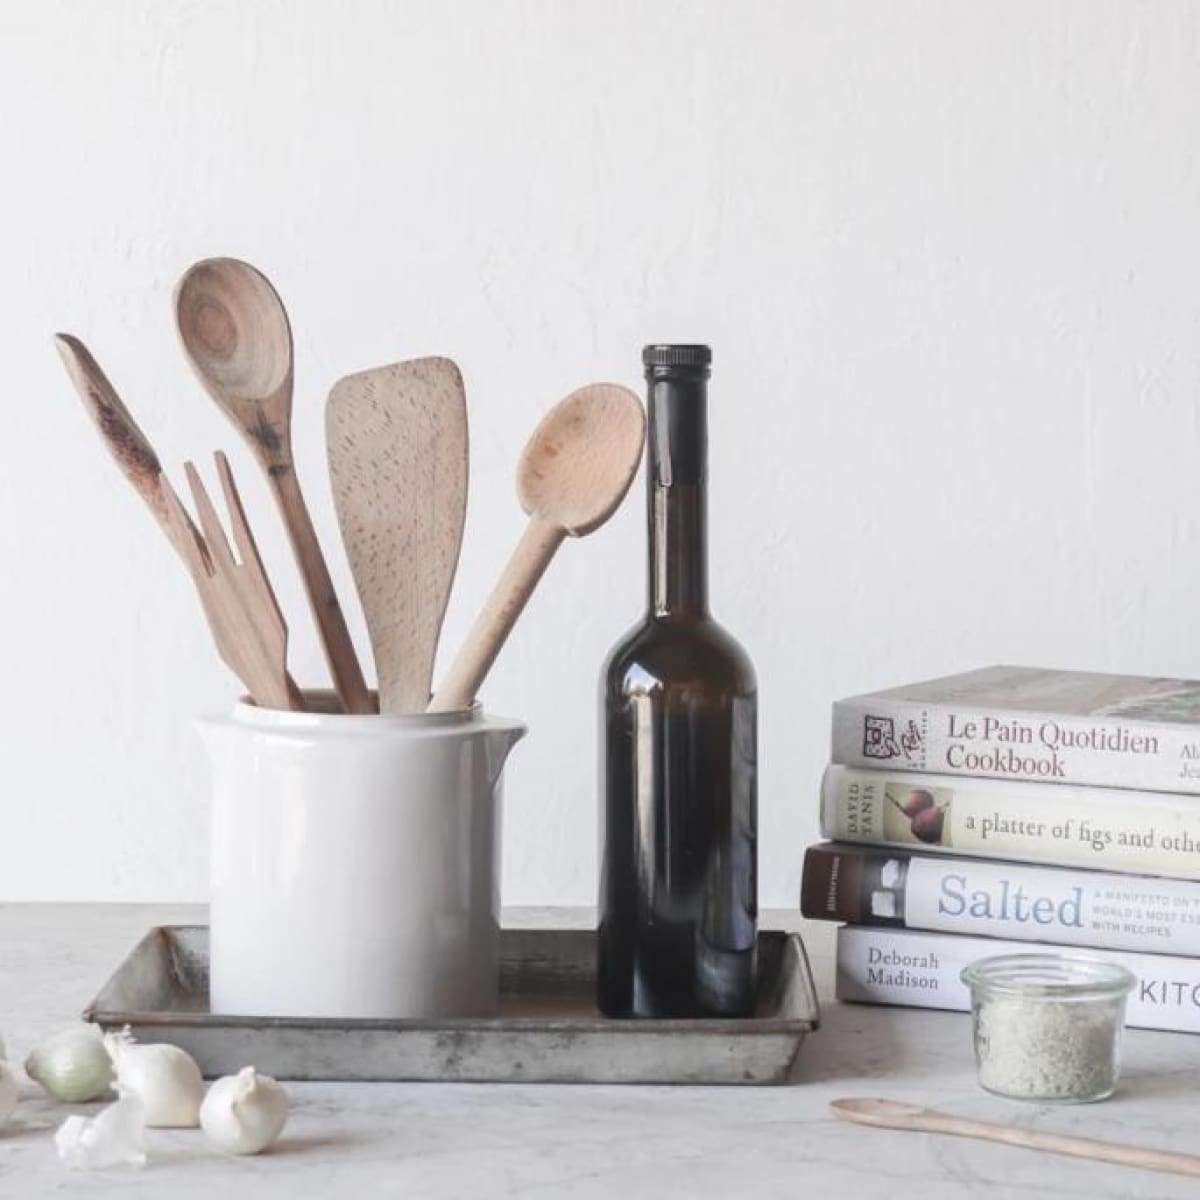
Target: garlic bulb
<point>116,1135</point>
<point>73,1065</point>
<point>163,1077</point>
<point>8,1091</point>
<point>244,1113</point>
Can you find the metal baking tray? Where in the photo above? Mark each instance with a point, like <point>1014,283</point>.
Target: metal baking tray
<point>547,1031</point>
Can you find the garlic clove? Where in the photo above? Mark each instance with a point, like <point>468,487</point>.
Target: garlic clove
<point>114,1137</point>
<point>163,1077</point>
<point>8,1091</point>
<point>72,1066</point>
<point>244,1113</point>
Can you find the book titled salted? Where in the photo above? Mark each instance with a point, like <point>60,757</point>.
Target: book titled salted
<point>912,968</point>
<point>1112,829</point>
<point>867,885</point>
<point>1027,723</point>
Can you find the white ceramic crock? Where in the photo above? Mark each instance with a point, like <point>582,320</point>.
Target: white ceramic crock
<point>355,862</point>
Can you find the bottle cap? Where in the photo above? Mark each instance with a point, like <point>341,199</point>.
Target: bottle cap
<point>693,357</point>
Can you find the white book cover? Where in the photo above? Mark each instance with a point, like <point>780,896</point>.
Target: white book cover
<point>982,897</point>
<point>1112,829</point>
<point>1032,724</point>
<point>913,968</point>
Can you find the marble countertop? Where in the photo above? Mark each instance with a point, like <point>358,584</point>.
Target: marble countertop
<point>466,1140</point>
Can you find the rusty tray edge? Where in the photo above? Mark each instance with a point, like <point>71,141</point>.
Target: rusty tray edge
<point>760,1050</point>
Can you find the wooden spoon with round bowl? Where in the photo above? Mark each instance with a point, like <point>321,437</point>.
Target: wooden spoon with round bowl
<point>573,473</point>
<point>236,335</point>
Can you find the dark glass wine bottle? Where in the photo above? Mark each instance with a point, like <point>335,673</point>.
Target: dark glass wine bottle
<point>678,868</point>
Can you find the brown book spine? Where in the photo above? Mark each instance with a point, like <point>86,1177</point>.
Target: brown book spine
<point>831,885</point>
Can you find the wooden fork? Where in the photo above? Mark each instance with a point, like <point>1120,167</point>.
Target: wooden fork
<point>238,601</point>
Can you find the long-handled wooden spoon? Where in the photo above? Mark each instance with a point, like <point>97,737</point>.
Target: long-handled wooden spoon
<point>891,1114</point>
<point>236,335</point>
<point>574,471</point>
<point>397,443</point>
<point>140,465</point>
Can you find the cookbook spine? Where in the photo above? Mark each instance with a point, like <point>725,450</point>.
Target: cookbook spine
<point>914,969</point>
<point>1104,751</point>
<point>981,897</point>
<point>1141,833</point>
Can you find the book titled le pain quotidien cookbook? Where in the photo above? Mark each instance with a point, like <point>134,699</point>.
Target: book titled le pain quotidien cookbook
<point>1025,723</point>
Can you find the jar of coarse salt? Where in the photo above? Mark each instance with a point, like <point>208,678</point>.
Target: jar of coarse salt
<point>1047,1027</point>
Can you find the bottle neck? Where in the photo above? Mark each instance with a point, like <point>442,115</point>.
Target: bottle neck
<point>677,481</point>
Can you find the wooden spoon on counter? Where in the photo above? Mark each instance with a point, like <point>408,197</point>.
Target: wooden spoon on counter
<point>254,618</point>
<point>236,335</point>
<point>397,443</point>
<point>573,473</point>
<point>891,1114</point>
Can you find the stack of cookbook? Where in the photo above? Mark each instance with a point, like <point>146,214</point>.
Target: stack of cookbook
<point>976,814</point>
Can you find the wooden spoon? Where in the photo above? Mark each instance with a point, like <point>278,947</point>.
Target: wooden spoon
<point>140,465</point>
<point>236,335</point>
<point>574,471</point>
<point>397,443</point>
<point>891,1114</point>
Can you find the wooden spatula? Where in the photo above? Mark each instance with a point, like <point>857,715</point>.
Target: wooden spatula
<point>397,444</point>
<point>139,464</point>
<point>128,445</point>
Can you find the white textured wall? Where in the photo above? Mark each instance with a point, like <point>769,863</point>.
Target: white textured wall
<point>948,255</point>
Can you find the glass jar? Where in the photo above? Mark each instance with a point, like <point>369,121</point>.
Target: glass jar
<point>1047,1027</point>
